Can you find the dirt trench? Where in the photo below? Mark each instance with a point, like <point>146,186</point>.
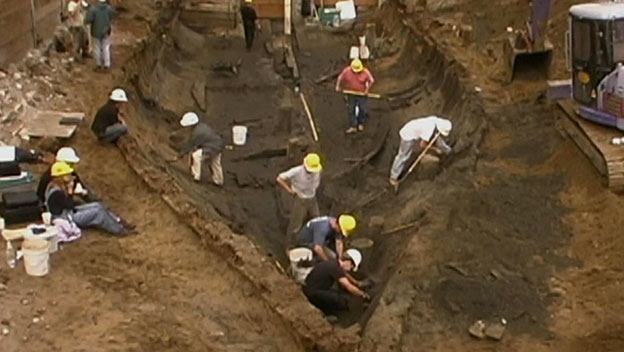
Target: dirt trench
<point>479,214</point>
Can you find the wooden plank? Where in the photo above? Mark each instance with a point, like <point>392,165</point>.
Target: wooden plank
<point>47,123</point>
<point>358,3</point>
<point>287,12</point>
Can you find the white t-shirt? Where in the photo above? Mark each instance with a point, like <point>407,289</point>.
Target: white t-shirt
<point>76,14</point>
<point>421,128</point>
<point>303,183</point>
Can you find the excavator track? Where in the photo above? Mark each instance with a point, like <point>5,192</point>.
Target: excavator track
<point>595,142</point>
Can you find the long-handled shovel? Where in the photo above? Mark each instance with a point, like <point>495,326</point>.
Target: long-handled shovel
<point>415,163</point>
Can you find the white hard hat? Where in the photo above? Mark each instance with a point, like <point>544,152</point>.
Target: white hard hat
<point>444,126</point>
<point>119,95</point>
<point>67,155</point>
<point>72,6</point>
<point>189,119</point>
<point>356,256</point>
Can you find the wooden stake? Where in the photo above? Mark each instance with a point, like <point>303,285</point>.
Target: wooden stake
<point>310,118</point>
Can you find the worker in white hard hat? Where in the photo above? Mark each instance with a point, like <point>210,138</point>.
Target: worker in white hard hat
<point>325,235</point>
<point>204,144</point>
<point>415,135</point>
<point>80,191</point>
<point>108,124</point>
<point>355,82</point>
<point>250,22</point>
<point>302,181</point>
<point>320,283</point>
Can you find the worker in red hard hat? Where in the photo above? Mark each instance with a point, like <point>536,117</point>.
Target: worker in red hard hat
<point>356,81</point>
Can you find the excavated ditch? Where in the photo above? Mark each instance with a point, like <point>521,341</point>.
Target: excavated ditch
<point>189,66</point>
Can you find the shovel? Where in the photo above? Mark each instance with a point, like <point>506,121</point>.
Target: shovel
<point>415,163</point>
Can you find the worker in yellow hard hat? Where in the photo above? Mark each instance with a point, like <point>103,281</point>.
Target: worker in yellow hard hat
<point>355,82</point>
<point>325,235</point>
<point>59,202</point>
<point>302,181</point>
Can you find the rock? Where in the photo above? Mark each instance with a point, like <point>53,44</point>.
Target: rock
<point>477,329</point>
<point>376,222</point>
<point>441,5</point>
<point>5,331</point>
<point>495,331</point>
<point>36,320</point>
<point>3,287</point>
<point>25,301</point>
<point>17,76</point>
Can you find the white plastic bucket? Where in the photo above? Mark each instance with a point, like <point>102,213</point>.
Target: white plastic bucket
<point>36,257</point>
<point>298,254</point>
<point>239,135</point>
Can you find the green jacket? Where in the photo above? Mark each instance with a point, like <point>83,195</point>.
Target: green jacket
<point>100,17</point>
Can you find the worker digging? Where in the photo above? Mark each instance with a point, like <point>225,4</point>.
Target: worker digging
<point>301,182</point>
<point>355,82</point>
<point>325,235</point>
<point>324,285</point>
<point>419,134</point>
<point>204,145</point>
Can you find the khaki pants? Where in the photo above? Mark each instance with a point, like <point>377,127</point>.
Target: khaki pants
<point>198,158</point>
<point>302,210</point>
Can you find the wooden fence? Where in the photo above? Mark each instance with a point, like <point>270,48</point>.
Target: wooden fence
<point>23,23</point>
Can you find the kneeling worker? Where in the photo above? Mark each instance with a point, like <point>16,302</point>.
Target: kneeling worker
<point>319,283</point>
<point>324,235</point>
<point>420,130</point>
<point>204,144</point>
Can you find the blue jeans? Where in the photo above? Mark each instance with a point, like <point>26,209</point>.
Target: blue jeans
<point>362,115</point>
<point>113,132</point>
<point>96,215</point>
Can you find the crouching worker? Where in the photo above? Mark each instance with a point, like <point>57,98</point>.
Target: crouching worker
<point>108,124</point>
<point>58,200</point>
<point>204,145</point>
<point>324,235</point>
<point>319,284</point>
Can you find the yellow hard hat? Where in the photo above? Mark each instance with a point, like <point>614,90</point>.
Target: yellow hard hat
<point>61,168</point>
<point>357,66</point>
<point>312,163</point>
<point>347,224</point>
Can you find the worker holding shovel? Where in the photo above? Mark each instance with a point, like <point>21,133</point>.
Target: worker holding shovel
<point>419,134</point>
<point>355,82</point>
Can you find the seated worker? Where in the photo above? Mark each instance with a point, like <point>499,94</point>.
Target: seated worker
<point>69,156</point>
<point>58,200</point>
<point>108,124</point>
<point>324,235</point>
<point>321,280</point>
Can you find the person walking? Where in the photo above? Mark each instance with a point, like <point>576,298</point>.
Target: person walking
<point>325,235</point>
<point>100,18</point>
<point>320,283</point>
<point>59,202</point>
<point>250,22</point>
<point>108,124</point>
<point>302,181</point>
<point>356,80</point>
<point>416,134</point>
<point>75,22</point>
<point>204,145</point>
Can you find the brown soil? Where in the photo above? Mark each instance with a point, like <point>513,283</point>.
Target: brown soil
<point>515,225</point>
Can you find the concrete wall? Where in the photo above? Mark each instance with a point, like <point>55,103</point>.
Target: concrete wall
<point>16,26</point>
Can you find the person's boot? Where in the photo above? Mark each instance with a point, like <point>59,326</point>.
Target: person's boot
<point>351,130</point>
<point>360,128</point>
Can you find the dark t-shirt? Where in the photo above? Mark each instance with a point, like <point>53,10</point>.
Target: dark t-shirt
<point>249,15</point>
<point>45,179</point>
<point>319,231</point>
<point>324,275</point>
<point>58,201</point>
<point>108,115</point>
